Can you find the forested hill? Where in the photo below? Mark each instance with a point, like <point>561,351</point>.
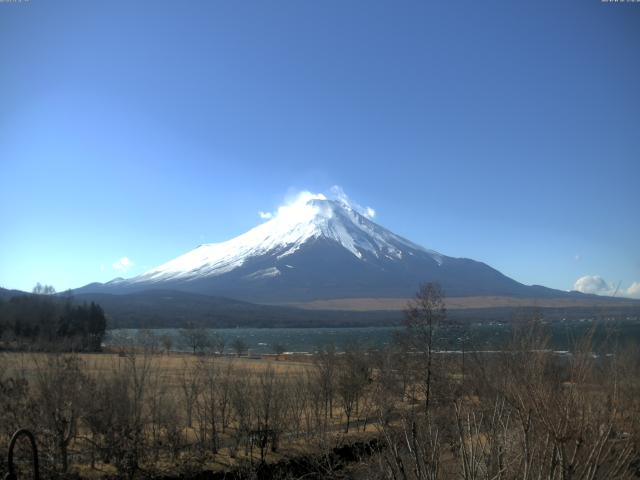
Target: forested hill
<point>44,322</point>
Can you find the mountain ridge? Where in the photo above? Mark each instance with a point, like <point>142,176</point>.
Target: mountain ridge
<point>319,249</point>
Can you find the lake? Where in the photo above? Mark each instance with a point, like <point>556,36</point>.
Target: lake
<point>474,336</point>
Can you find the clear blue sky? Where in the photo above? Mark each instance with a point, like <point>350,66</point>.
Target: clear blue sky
<point>507,132</point>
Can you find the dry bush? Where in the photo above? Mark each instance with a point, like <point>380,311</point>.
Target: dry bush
<point>520,413</point>
<point>58,392</point>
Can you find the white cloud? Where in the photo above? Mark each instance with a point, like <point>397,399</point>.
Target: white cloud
<point>123,264</point>
<point>369,212</point>
<point>634,290</point>
<point>296,208</point>
<point>591,284</point>
<point>337,193</point>
<point>595,284</point>
<point>295,204</point>
<point>577,257</point>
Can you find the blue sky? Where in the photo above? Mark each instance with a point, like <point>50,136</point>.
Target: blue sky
<point>507,132</point>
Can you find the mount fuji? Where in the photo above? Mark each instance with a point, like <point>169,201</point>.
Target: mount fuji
<point>319,249</point>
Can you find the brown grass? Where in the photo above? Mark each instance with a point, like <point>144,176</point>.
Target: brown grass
<point>454,303</point>
<point>171,364</point>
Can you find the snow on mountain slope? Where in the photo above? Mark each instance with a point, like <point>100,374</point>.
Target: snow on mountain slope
<point>319,248</point>
<point>311,217</point>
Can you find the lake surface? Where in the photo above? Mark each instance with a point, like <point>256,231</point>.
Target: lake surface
<point>473,336</point>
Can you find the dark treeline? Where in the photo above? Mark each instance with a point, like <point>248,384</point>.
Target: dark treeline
<point>42,321</point>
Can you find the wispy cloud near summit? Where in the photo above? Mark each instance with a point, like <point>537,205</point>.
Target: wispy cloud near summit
<point>337,193</point>
<point>300,198</point>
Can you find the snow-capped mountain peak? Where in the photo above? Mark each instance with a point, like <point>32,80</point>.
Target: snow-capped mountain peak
<point>310,218</point>
<point>318,248</point>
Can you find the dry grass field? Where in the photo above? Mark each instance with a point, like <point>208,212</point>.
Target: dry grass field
<point>171,364</point>
<point>454,303</point>
<point>146,414</point>
<point>181,397</point>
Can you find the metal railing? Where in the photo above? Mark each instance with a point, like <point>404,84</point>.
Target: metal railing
<point>11,474</point>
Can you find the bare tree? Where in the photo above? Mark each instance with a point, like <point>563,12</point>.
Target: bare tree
<point>159,410</point>
<point>199,340</point>
<point>239,346</point>
<point>208,402</point>
<point>218,343</point>
<point>59,380</point>
<point>43,289</point>
<point>167,343</point>
<point>325,361</point>
<point>190,385</point>
<point>423,315</point>
<point>268,405</point>
<point>353,376</point>
<point>126,394</point>
<point>299,403</point>
<point>414,446</point>
<point>17,407</point>
<point>147,340</point>
<point>240,399</point>
<point>226,374</point>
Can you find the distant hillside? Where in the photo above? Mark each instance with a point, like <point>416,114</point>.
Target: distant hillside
<point>7,294</point>
<point>169,309</point>
<point>174,309</point>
